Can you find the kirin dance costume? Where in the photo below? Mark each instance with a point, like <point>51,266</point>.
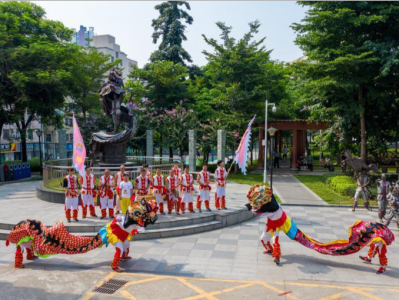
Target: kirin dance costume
<point>361,233</point>
<point>33,235</point>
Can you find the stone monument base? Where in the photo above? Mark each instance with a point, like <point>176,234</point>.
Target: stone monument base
<point>109,148</point>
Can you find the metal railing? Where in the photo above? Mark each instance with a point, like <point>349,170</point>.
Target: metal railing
<point>54,171</point>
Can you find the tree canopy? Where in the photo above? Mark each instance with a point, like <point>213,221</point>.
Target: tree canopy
<point>350,74</point>
<point>169,28</point>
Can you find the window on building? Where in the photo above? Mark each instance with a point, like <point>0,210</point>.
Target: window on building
<point>6,134</point>
<point>112,59</point>
<point>117,54</point>
<point>48,138</point>
<point>30,134</point>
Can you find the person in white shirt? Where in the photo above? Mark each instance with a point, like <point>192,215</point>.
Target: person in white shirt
<point>177,171</point>
<point>220,177</point>
<point>126,192</point>
<point>172,195</point>
<point>118,179</point>
<point>186,188</point>
<point>158,189</point>
<point>203,179</point>
<point>106,194</point>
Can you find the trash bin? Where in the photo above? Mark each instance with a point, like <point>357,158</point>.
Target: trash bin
<point>23,171</point>
<point>17,171</point>
<point>11,172</point>
<point>27,170</point>
<point>2,176</point>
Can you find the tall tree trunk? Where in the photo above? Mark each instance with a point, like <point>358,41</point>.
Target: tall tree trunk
<point>170,154</point>
<point>363,137</point>
<point>23,145</point>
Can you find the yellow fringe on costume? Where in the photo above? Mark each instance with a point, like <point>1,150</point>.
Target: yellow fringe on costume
<point>112,238</point>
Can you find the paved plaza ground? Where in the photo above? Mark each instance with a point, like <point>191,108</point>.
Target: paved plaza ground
<point>227,263</point>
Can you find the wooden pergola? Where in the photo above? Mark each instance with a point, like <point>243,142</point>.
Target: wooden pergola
<point>298,127</point>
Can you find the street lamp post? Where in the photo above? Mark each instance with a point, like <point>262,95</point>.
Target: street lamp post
<point>39,135</point>
<point>272,131</point>
<point>274,109</point>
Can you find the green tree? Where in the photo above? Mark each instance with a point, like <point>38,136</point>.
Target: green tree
<point>88,74</point>
<point>161,82</point>
<point>351,72</point>
<point>35,62</point>
<point>169,28</point>
<point>238,77</point>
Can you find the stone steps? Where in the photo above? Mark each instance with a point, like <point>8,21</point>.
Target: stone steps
<point>149,234</point>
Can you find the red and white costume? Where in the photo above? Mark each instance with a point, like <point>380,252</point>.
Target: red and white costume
<point>178,174</point>
<point>220,195</point>
<point>205,188</point>
<point>88,193</point>
<point>171,186</point>
<point>142,185</point>
<point>186,189</point>
<point>71,196</point>
<point>106,196</point>
<point>118,179</point>
<point>158,190</point>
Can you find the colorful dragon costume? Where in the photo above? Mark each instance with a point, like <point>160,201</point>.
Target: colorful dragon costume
<point>43,241</point>
<point>361,233</point>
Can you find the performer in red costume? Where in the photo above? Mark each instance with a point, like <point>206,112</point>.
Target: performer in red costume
<point>70,185</point>
<point>106,194</point>
<point>203,179</point>
<point>186,188</point>
<point>172,193</point>
<point>158,189</point>
<point>88,193</point>
<point>220,177</point>
<point>142,183</point>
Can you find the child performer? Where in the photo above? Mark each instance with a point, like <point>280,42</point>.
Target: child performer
<point>158,184</point>
<point>70,184</point>
<point>172,196</point>
<point>126,192</point>
<point>142,183</point>
<point>88,193</point>
<point>220,195</point>
<point>203,178</point>
<point>118,180</point>
<point>106,194</point>
<point>186,187</point>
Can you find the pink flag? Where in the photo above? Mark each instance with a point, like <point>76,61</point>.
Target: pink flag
<point>79,150</point>
<point>242,151</point>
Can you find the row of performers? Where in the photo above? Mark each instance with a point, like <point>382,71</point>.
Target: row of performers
<point>177,190</point>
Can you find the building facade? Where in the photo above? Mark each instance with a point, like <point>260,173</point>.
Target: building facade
<point>106,44</point>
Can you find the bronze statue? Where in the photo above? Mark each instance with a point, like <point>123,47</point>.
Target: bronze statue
<point>358,165</point>
<point>111,96</point>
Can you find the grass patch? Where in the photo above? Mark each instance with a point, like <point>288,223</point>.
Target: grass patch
<point>321,189</point>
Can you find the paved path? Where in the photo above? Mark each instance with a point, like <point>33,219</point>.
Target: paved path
<point>292,191</point>
<point>232,253</point>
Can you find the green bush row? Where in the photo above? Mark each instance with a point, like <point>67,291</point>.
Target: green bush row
<point>346,185</point>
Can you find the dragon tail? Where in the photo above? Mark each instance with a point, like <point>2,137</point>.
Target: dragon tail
<point>361,234</point>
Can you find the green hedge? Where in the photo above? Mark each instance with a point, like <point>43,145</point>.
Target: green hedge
<point>346,185</point>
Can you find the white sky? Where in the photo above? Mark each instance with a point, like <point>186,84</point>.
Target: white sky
<point>130,23</point>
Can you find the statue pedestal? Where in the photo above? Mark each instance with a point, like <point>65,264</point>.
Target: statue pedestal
<point>109,148</point>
